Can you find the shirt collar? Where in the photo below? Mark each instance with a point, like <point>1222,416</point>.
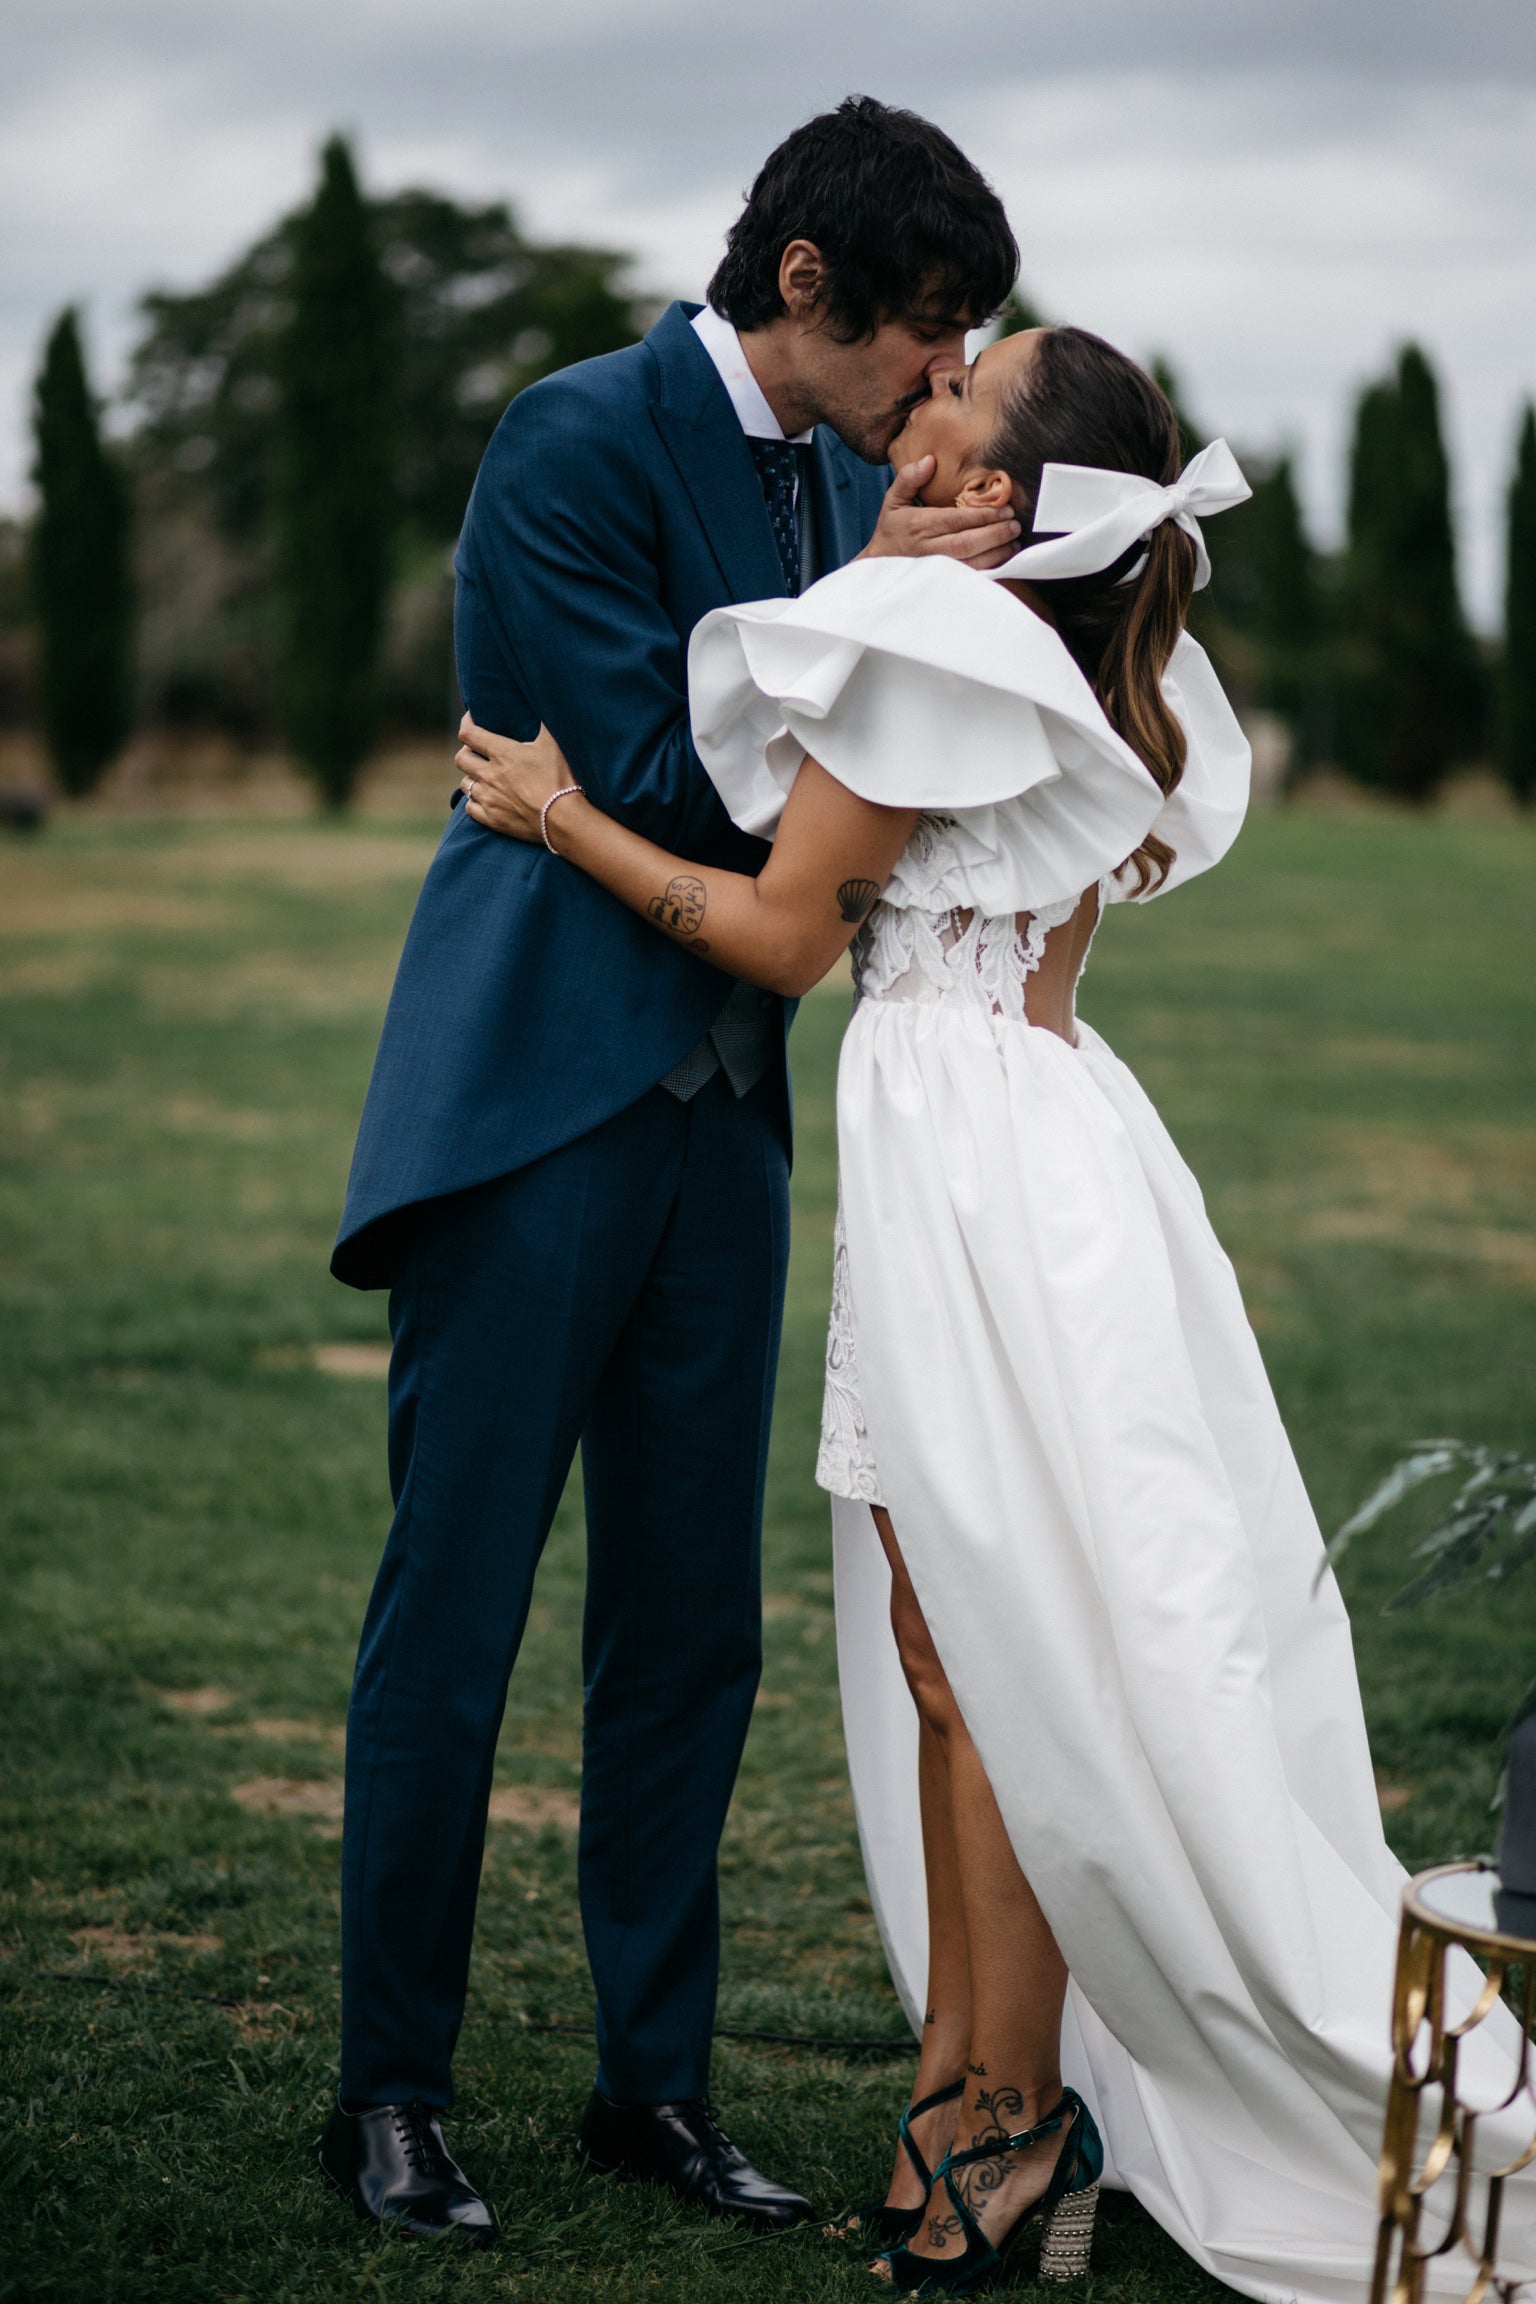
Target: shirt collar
<point>723,345</point>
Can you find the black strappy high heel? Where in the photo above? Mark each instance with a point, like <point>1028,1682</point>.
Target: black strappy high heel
<point>1067,2206</point>
<point>879,2226</point>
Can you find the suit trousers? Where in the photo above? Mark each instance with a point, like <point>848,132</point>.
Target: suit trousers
<point>625,1291</point>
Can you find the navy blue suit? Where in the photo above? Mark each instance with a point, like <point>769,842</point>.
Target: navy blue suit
<point>574,1254</point>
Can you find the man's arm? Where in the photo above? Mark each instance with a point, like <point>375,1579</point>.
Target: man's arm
<point>559,566</point>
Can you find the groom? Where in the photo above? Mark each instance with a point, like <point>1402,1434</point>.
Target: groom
<point>572,1168</point>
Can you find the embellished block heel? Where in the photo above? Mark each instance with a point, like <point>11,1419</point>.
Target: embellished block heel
<point>1068,2239</point>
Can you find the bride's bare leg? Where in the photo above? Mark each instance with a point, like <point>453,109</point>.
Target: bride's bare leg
<point>947,2020</point>
<point>1017,1978</point>
<point>947,2010</point>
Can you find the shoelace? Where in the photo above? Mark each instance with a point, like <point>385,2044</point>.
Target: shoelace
<point>709,2121</point>
<point>420,2146</point>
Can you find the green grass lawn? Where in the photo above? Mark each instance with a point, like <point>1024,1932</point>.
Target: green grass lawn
<point>1340,1028</point>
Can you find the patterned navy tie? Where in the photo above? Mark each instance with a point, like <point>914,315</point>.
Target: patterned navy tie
<point>778,467</point>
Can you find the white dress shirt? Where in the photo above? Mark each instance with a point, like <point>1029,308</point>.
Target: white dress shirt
<point>755,417</point>
<point>723,345</point>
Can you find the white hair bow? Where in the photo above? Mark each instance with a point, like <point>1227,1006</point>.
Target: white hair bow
<point>1091,516</point>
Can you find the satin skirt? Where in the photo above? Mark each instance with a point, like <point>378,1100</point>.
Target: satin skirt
<point>1112,1547</point>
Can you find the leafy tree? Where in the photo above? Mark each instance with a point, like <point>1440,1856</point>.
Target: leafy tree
<point>1412,685</point>
<point>204,386</point>
<point>80,575</point>
<point>334,501</point>
<point>1517,685</point>
<point>473,311</point>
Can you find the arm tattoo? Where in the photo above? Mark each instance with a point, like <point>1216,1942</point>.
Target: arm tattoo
<point>680,906</point>
<point>855,898</point>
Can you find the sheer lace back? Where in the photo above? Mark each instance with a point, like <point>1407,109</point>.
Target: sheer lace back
<point>911,952</point>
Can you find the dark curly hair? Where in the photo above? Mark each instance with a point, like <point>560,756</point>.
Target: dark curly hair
<point>908,228</point>
<point>1082,402</point>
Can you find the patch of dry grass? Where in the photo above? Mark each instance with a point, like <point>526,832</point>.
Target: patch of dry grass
<point>122,1947</point>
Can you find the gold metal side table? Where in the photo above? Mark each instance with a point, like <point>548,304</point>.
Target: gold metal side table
<point>1454,1905</point>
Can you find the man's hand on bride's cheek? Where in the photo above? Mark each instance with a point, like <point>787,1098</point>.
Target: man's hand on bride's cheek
<point>908,530</point>
<point>505,784</point>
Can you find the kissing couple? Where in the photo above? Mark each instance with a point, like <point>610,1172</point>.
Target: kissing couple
<point>737,701</point>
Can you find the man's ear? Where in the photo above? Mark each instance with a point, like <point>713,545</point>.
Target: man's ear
<point>991,491</point>
<point>802,279</point>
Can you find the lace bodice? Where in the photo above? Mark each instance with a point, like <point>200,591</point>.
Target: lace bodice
<point>926,948</point>
<point>920,943</point>
<point>918,685</point>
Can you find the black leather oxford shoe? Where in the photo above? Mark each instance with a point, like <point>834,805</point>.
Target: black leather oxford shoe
<point>391,2162</point>
<point>684,2147</point>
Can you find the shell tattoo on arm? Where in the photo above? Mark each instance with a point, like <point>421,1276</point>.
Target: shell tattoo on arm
<point>855,898</point>
<point>680,906</point>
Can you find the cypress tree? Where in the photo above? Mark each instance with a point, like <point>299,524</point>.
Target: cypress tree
<point>1288,613</point>
<point>81,584</point>
<point>1412,688</point>
<point>1517,697</point>
<point>1368,586</point>
<point>1438,714</point>
<point>1288,617</point>
<point>334,509</point>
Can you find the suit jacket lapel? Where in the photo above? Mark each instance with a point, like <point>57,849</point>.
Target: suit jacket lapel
<point>839,530</point>
<point>705,441</point>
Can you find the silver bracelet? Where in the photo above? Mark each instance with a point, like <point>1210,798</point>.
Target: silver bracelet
<point>564,793</point>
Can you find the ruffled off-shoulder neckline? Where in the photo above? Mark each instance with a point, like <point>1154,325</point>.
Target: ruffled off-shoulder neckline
<point>921,684</point>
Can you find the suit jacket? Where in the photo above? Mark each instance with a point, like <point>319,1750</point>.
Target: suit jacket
<point>617,503</point>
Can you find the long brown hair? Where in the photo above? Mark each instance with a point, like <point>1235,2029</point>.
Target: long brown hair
<point>1082,402</point>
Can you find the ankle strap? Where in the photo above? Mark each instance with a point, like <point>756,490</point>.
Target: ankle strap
<point>920,2167</point>
<point>931,2103</point>
<point>1056,2119</point>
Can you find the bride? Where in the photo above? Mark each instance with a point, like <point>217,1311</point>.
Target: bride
<point>1112,1778</point>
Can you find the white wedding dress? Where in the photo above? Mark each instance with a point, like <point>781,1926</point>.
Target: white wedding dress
<point>1039,1361</point>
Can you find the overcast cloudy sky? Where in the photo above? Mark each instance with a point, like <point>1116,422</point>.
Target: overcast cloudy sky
<point>1275,192</point>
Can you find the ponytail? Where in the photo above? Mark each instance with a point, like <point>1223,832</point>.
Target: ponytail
<point>1129,680</point>
<point>1082,402</point>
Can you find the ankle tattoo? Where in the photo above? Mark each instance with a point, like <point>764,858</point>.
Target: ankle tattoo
<point>999,2110</point>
